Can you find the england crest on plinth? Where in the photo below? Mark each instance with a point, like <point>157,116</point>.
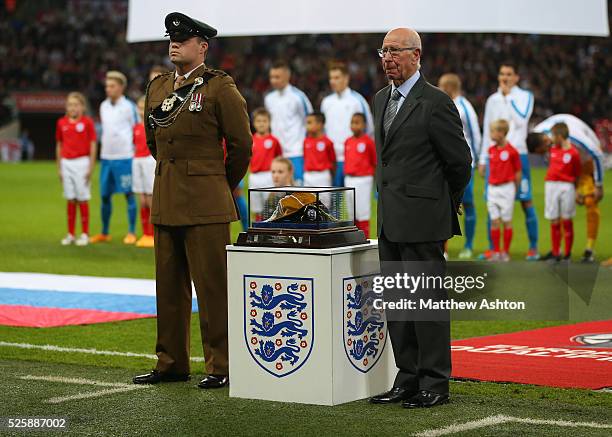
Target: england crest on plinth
<point>364,326</point>
<point>278,322</point>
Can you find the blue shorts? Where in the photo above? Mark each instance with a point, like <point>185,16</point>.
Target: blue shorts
<point>468,194</point>
<point>298,168</point>
<point>524,192</point>
<point>115,176</point>
<point>339,176</point>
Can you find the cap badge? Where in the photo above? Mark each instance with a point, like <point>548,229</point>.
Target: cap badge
<point>176,23</point>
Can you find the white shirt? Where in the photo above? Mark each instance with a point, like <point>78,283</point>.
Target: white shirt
<point>582,136</point>
<point>187,74</point>
<point>288,108</point>
<point>118,122</point>
<point>516,109</point>
<point>338,109</point>
<point>405,88</point>
<point>471,129</point>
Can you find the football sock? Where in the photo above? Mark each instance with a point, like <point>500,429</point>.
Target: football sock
<point>363,225</point>
<point>131,210</point>
<point>489,232</point>
<point>107,210</point>
<point>71,209</point>
<point>507,239</point>
<point>568,235</point>
<point>531,222</point>
<point>495,236</point>
<point>555,237</point>
<point>592,217</point>
<point>84,209</point>
<point>145,214</point>
<point>470,224</point>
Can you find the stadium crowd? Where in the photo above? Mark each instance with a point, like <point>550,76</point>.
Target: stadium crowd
<point>72,44</point>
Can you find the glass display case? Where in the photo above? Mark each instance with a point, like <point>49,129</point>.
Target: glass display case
<point>313,217</point>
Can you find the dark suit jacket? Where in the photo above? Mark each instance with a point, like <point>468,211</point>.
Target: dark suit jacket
<point>423,166</point>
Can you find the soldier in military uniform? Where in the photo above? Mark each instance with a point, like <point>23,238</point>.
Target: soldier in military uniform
<point>189,113</point>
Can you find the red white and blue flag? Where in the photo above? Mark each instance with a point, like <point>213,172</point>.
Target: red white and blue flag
<point>45,300</point>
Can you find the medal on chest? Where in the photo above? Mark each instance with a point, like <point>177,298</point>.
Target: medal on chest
<point>196,102</point>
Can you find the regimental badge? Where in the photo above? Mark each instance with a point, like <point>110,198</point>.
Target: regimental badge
<point>196,102</point>
<point>364,327</point>
<point>278,322</point>
<point>168,103</point>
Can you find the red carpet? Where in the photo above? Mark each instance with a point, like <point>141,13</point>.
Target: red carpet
<point>23,315</point>
<point>569,356</point>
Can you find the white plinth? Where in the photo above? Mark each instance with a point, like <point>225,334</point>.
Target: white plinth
<point>311,286</point>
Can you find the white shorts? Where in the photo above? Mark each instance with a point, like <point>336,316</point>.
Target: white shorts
<point>363,195</point>
<point>500,201</point>
<point>257,199</point>
<point>143,174</point>
<point>318,178</point>
<point>559,200</point>
<point>73,178</point>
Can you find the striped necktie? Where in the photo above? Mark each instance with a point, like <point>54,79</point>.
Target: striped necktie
<point>391,110</point>
<point>178,82</point>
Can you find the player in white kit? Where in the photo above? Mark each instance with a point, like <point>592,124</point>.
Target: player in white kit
<point>515,105</point>
<point>338,108</point>
<point>118,115</point>
<point>451,85</point>
<point>288,107</point>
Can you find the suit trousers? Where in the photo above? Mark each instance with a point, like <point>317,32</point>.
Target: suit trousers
<point>183,254</point>
<point>421,348</point>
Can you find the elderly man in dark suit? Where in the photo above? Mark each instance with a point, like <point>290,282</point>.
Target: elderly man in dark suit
<point>424,165</point>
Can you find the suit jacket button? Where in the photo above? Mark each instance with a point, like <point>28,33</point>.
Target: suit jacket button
<point>171,160</point>
<point>385,184</point>
<point>170,140</point>
<point>384,164</point>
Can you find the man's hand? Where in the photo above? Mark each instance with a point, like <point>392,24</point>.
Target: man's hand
<point>598,193</point>
<point>88,175</point>
<point>460,209</point>
<point>481,170</point>
<point>579,199</point>
<point>59,174</point>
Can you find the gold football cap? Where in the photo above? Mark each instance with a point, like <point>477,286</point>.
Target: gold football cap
<point>291,204</point>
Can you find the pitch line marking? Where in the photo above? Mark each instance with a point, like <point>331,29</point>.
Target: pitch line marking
<point>116,387</point>
<point>92,351</point>
<point>499,419</point>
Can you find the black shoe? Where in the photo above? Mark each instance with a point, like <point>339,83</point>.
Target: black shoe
<point>588,257</point>
<point>154,377</point>
<point>393,396</point>
<point>214,381</point>
<point>548,257</point>
<point>425,399</point>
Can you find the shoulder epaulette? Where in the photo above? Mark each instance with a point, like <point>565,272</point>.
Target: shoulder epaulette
<point>155,78</point>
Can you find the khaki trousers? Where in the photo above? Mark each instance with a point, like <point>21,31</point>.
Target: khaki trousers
<point>182,254</point>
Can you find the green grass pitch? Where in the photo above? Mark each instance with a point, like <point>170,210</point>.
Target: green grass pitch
<point>32,221</point>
